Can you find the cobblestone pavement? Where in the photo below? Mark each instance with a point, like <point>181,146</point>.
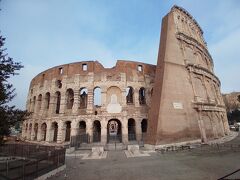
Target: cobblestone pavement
<point>194,164</point>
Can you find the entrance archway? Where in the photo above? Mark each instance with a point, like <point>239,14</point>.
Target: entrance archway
<point>96,131</point>
<point>131,130</point>
<point>55,131</point>
<point>43,131</point>
<point>68,131</point>
<point>114,131</point>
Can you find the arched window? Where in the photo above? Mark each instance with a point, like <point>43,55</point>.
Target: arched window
<point>58,101</point>
<point>70,98</point>
<point>39,102</point>
<point>96,131</point>
<point>83,98</point>
<point>131,130</point>
<point>97,96</point>
<point>142,96</point>
<point>34,103</point>
<point>129,95</point>
<point>47,100</point>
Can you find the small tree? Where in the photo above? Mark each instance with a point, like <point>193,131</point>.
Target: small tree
<point>9,115</point>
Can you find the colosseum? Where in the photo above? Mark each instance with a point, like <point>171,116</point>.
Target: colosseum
<point>177,100</point>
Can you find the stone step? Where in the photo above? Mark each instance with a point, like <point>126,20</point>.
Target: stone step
<point>113,147</point>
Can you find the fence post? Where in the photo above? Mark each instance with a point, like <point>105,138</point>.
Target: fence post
<point>23,169</point>
<point>7,168</point>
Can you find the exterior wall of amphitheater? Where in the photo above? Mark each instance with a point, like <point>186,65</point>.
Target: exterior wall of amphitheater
<point>61,109</point>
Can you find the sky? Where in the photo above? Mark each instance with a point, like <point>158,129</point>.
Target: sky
<point>45,33</point>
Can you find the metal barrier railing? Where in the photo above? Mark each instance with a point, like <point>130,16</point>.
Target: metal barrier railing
<point>20,161</point>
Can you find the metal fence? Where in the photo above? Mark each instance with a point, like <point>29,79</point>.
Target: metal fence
<point>85,140</point>
<point>21,161</point>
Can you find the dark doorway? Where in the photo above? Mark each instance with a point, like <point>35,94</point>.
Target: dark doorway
<point>96,131</point>
<point>114,131</point>
<point>68,131</point>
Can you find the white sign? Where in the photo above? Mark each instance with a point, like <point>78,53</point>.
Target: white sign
<point>177,105</point>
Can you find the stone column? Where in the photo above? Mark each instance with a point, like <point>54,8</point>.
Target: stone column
<point>49,134</point>
<point>136,97</point>
<point>90,101</point>
<point>104,97</point>
<point>202,128</point>
<point>61,132</point>
<point>76,101</point>
<point>89,130</point>
<point>62,103</point>
<point>138,130</point>
<point>39,133</point>
<point>103,131</point>
<point>124,130</point>
<point>74,128</point>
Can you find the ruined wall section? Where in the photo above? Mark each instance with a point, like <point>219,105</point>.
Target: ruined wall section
<point>67,81</point>
<point>186,103</point>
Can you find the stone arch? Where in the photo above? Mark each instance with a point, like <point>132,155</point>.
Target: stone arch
<point>200,60</point>
<point>82,127</point>
<point>47,100</point>
<point>70,98</point>
<point>208,126</point>
<point>83,98</point>
<point>144,125</point>
<point>96,131</point>
<point>114,131</point>
<point>57,101</point>
<point>54,131</point>
<point>39,102</point>
<point>200,89</point>
<point>142,96</point>
<point>43,131</point>
<point>34,103</point>
<point>114,100</point>
<point>97,93</point>
<point>129,95</point>
<point>131,129</point>
<point>67,131</point>
<point>30,105</point>
<point>210,89</point>
<point>189,55</point>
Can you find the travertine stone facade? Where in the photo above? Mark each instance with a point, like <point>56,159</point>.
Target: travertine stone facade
<point>63,104</point>
<point>186,103</point>
<point>184,93</point>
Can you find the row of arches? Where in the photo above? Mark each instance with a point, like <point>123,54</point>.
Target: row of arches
<point>114,130</point>
<point>41,102</point>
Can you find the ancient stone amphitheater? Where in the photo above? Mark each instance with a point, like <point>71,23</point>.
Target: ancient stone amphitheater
<point>177,100</point>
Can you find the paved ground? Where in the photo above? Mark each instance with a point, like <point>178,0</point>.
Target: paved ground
<point>208,163</point>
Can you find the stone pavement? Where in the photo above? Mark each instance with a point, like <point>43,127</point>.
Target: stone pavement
<point>193,164</point>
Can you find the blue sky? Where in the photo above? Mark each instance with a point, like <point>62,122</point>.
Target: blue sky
<point>45,33</point>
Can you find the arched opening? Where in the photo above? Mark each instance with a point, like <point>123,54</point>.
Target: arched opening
<point>97,96</point>
<point>43,131</point>
<point>114,131</point>
<point>68,131</point>
<point>142,96</point>
<point>39,102</point>
<point>96,131</point>
<point>55,131</point>
<point>58,101</point>
<point>70,98</point>
<point>30,105</point>
<point>83,136</point>
<point>82,127</point>
<point>83,98</point>
<point>26,127</point>
<point>47,100</point>
<point>35,131</point>
<point>34,103</point>
<point>131,130</point>
<point>129,95</point>
<point>151,92</point>
<point>144,125</point>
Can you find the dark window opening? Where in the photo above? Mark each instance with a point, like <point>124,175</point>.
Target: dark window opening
<point>58,97</point>
<point>142,96</point>
<point>70,98</point>
<point>83,98</point>
<point>129,97</point>
<point>140,68</point>
<point>60,71</point>
<point>59,83</point>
